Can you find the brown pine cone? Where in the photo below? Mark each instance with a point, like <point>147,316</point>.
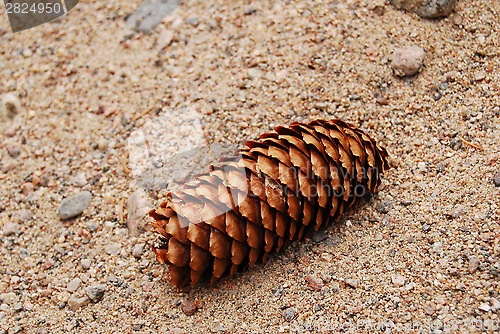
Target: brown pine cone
<point>282,186</point>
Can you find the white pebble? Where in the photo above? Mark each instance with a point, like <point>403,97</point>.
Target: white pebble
<point>86,263</point>
<point>74,285</point>
<point>398,280</point>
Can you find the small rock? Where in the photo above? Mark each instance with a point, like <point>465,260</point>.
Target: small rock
<point>479,76</point>
<point>18,307</point>
<point>25,215</point>
<point>9,298</point>
<point>13,151</point>
<point>74,303</point>
<point>138,250</point>
<point>86,263</point>
<point>10,106</point>
<point>398,280</point>
<point>149,14</point>
<point>315,283</point>
<point>218,326</point>
<point>27,188</point>
<point>113,249</point>
<point>384,206</point>
<point>496,180</point>
<point>473,264</point>
<point>74,285</point>
<point>495,304</point>
<point>194,21</point>
<point>353,283</point>
<point>189,307</point>
<point>10,228</point>
<point>327,257</point>
<point>485,307</point>
<point>73,206</point>
<point>430,308</point>
<point>457,212</point>
<point>80,180</point>
<point>96,292</point>
<point>437,247</point>
<point>428,9</point>
<point>407,61</point>
<point>165,38</point>
<point>290,313</point>
<point>254,73</point>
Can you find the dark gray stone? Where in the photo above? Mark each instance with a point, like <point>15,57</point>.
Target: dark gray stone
<point>96,292</point>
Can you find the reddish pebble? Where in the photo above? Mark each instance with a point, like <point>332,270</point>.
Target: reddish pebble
<point>315,283</point>
<point>28,188</point>
<point>189,307</point>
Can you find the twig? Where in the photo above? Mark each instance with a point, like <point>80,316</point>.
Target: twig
<point>471,144</point>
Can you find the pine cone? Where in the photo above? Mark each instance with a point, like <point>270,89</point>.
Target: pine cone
<point>282,186</point>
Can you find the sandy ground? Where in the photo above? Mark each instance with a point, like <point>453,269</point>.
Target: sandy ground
<point>422,256</point>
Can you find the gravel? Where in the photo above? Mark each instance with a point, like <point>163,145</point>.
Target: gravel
<point>426,8</point>
<point>408,61</point>
<point>73,206</point>
<point>496,179</point>
<point>74,303</point>
<point>96,292</point>
<point>150,14</point>
<point>189,307</point>
<point>84,92</point>
<point>290,313</point>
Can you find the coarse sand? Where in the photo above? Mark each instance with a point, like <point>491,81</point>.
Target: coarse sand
<point>421,256</point>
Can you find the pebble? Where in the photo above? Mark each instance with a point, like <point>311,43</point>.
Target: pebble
<point>74,303</point>
<point>10,107</point>
<point>495,304</point>
<point>149,14</point>
<point>315,283</point>
<point>86,263</point>
<point>353,283</point>
<point>165,38</point>
<point>428,9</point>
<point>73,206</point>
<point>384,206</point>
<point>290,313</point>
<point>18,307</point>
<point>457,212</point>
<point>485,307</point>
<point>473,264</point>
<point>13,151</point>
<point>113,249</point>
<point>496,180</point>
<point>218,326</point>
<point>80,180</point>
<point>74,285</point>
<point>96,292</point>
<point>9,298</point>
<point>398,280</point>
<point>189,307</point>
<point>479,76</point>
<point>10,228</point>
<point>138,250</point>
<point>408,61</point>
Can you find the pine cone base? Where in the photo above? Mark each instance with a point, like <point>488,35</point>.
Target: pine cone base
<point>278,189</point>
